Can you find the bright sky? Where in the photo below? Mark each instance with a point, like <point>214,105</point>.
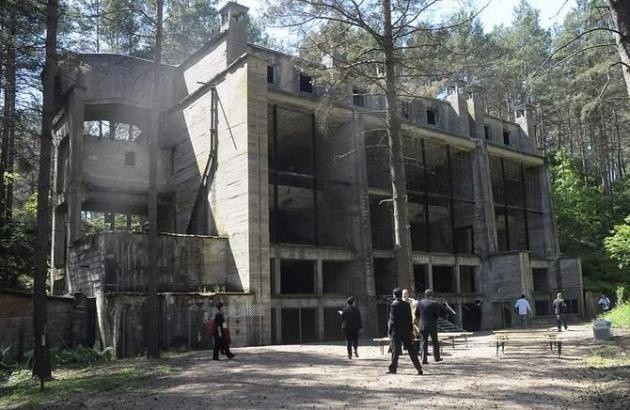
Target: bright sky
<point>497,12</point>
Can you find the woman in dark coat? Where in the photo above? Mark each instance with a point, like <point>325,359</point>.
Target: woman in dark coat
<point>351,324</point>
<point>221,335</point>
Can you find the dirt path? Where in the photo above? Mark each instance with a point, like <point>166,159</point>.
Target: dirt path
<point>320,376</point>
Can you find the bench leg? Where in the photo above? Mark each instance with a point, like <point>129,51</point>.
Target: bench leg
<point>559,348</point>
<point>466,341</point>
<point>497,349</point>
<point>503,348</point>
<point>382,349</point>
<point>453,340</point>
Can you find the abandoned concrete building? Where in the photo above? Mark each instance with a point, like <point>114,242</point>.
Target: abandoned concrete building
<point>285,218</point>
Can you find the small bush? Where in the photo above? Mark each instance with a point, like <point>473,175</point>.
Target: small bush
<point>620,315</point>
<point>80,356</point>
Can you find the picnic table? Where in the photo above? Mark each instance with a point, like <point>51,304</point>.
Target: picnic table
<point>528,337</point>
<point>452,336</point>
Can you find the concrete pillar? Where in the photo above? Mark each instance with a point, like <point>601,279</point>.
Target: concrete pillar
<point>277,276</point>
<point>484,228</point>
<point>458,279</point>
<point>76,118</point>
<point>460,317</point>
<point>319,277</point>
<point>278,319</point>
<point>430,273</point>
<point>320,321</point>
<point>552,248</point>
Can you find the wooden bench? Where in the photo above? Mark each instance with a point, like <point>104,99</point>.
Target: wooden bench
<point>531,337</point>
<point>452,336</point>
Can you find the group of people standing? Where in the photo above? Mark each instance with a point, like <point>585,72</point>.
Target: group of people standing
<point>409,320</point>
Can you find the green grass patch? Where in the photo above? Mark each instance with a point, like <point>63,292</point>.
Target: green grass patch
<point>22,390</point>
<point>620,315</point>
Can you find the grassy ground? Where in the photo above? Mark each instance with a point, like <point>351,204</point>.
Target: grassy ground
<point>620,315</point>
<point>21,390</point>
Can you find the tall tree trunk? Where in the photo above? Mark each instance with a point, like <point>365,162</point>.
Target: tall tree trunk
<point>152,314</point>
<point>396,162</point>
<point>6,207</point>
<point>620,14</point>
<point>41,368</point>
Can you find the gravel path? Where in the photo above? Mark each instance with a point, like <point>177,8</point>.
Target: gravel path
<point>320,376</point>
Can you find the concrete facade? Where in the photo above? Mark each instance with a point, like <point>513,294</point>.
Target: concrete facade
<point>284,200</point>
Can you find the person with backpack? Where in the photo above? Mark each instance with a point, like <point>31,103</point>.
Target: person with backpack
<point>604,302</point>
<point>559,309</point>
<point>351,324</point>
<point>221,334</point>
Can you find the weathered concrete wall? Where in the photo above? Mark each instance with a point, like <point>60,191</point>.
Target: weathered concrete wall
<point>204,65</point>
<point>183,320</point>
<point>68,322</point>
<point>117,261</point>
<point>104,165</point>
<point>118,79</point>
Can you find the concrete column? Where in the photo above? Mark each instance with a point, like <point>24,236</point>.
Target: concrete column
<point>460,317</point>
<point>552,248</point>
<point>76,118</point>
<point>277,276</point>
<point>458,279</point>
<point>58,243</point>
<point>278,320</point>
<point>430,273</point>
<point>484,228</point>
<point>320,321</point>
<point>319,277</point>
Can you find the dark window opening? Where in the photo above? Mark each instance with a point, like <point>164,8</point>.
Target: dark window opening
<point>271,74</point>
<point>431,117</point>
<point>332,324</point>
<point>465,241</point>
<point>471,317</point>
<point>443,279</point>
<point>506,137</point>
<point>467,279</point>
<point>337,277</point>
<point>358,97</point>
<point>291,326</point>
<point>541,308</point>
<point>404,110</point>
<point>384,276</point>
<point>297,277</point>
<point>540,280</point>
<point>306,83</point>
<point>487,131</point>
<point>130,158</point>
<point>420,279</point>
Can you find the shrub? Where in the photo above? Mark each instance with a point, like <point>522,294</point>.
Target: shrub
<point>620,315</point>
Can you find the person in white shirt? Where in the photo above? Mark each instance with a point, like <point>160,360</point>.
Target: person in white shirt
<point>604,302</point>
<point>522,308</point>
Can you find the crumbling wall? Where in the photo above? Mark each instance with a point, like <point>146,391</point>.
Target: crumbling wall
<point>69,322</point>
<point>117,261</point>
<point>183,320</point>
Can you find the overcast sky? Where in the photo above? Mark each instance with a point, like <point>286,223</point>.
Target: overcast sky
<point>498,11</point>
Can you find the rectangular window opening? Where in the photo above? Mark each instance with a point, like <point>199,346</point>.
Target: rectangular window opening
<point>130,158</point>
<point>506,137</point>
<point>358,97</point>
<point>297,277</point>
<point>432,117</point>
<point>271,74</point>
<point>306,83</point>
<point>487,132</point>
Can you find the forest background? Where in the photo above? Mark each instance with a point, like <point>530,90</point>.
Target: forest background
<point>569,74</point>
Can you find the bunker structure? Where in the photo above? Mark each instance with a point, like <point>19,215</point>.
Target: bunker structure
<point>280,217</point>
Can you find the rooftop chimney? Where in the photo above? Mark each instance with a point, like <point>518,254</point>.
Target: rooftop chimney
<point>234,23</point>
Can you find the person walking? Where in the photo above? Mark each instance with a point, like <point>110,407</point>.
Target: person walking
<point>221,334</point>
<point>351,324</point>
<point>604,303</point>
<point>413,304</point>
<point>559,309</point>
<point>428,311</point>
<point>399,329</point>
<point>522,309</point>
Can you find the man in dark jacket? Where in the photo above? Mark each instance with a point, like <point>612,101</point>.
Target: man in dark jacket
<point>400,329</point>
<point>428,311</point>
<point>351,324</point>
